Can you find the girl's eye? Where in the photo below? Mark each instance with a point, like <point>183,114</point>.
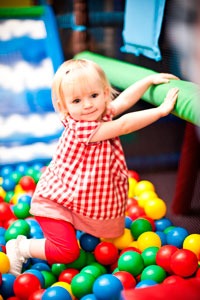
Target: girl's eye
<point>76,101</point>
<point>94,95</point>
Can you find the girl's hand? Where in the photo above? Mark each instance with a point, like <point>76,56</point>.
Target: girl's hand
<point>168,105</point>
<point>162,78</point>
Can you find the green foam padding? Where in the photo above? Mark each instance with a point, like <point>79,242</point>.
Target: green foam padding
<point>21,12</point>
<point>122,74</point>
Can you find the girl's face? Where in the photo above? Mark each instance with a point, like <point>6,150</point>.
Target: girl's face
<point>85,99</point>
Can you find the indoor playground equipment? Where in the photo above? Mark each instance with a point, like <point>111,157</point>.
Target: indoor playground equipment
<point>153,259</point>
<point>27,65</point>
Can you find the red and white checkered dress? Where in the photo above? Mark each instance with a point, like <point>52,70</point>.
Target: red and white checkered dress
<point>89,179</point>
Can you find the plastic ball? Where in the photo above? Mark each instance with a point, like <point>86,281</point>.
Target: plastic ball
<point>26,284</point>
<point>27,183</point>
<point>88,242</point>
<point>107,287</point>
<point>37,295</point>
<point>146,196</point>
<point>57,268</point>
<point>8,184</point>
<point>89,297</point>
<point>6,287</point>
<point>135,211</point>
<point>163,237</point>
<point>148,239</point>
<point>131,262</point>
<point>19,227</point>
<point>153,272</point>
<point>133,174</point>
<point>139,226</point>
<point>21,210</point>
<point>4,263</point>
<point>149,255</point>
<point>124,240</point>
<point>162,224</point>
<point>184,263</point>
<point>146,283</point>
<point>128,222</point>
<point>192,243</point>
<point>155,208</point>
<point>106,253</point>
<point>176,236</point>
<point>5,211</point>
<point>82,284</point>
<point>80,262</point>
<point>67,275</point>
<point>38,274</point>
<point>93,270</point>
<point>64,285</point>
<point>163,257</point>
<point>49,278</point>
<point>173,279</point>
<point>143,185</point>
<point>101,268</point>
<point>56,293</point>
<point>131,190</point>
<point>127,279</point>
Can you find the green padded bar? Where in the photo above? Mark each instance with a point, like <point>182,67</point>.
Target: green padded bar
<point>21,12</point>
<point>122,74</point>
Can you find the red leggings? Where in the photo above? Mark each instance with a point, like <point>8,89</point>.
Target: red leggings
<point>61,244</point>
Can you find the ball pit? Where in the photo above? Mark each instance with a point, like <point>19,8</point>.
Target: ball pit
<point>151,252</point>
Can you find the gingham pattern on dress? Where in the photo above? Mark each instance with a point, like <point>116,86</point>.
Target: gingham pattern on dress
<point>87,178</point>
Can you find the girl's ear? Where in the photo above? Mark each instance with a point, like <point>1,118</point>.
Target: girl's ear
<point>107,93</point>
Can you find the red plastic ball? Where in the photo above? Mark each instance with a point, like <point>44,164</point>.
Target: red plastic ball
<point>27,183</point>
<point>163,257</point>
<point>184,263</point>
<point>130,249</point>
<point>25,285</point>
<point>106,253</point>
<point>67,275</point>
<point>127,279</point>
<point>173,279</point>
<point>134,174</point>
<point>135,212</point>
<point>5,212</point>
<point>37,295</point>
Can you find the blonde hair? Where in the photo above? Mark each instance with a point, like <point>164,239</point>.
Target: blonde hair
<point>83,69</point>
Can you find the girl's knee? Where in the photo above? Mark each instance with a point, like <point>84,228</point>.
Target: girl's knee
<point>61,254</point>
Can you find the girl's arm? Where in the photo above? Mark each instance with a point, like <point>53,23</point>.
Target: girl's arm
<point>133,93</point>
<point>135,120</point>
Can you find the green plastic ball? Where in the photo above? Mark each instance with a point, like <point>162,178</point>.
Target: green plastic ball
<point>58,268</point>
<point>21,210</point>
<point>149,255</point>
<point>93,270</point>
<point>82,284</point>
<point>139,226</point>
<point>131,262</point>
<point>49,278</point>
<point>19,227</point>
<point>154,272</point>
<point>80,262</point>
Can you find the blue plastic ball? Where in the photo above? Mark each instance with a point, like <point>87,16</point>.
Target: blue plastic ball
<point>88,242</point>
<point>128,222</point>
<point>25,198</point>
<point>40,266</point>
<point>176,236</point>
<point>6,288</point>
<point>163,237</point>
<point>89,297</point>
<point>107,287</point>
<point>56,293</point>
<point>162,224</point>
<point>146,283</point>
<point>8,184</point>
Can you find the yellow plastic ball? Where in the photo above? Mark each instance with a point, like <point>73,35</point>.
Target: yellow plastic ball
<point>131,189</point>
<point>19,189</point>
<point>143,185</point>
<point>124,240</point>
<point>148,239</point>
<point>155,208</point>
<point>2,192</point>
<point>4,263</point>
<point>192,243</point>
<point>64,285</point>
<point>134,244</point>
<point>145,196</point>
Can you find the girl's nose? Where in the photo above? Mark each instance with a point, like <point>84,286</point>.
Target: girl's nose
<point>87,103</point>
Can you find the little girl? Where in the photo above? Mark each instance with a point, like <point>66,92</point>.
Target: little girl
<point>85,185</point>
